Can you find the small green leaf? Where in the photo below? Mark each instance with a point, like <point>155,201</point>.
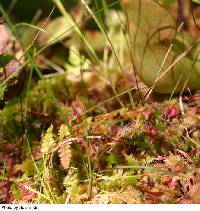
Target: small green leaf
<point>2,90</point>
<point>167,2</point>
<point>27,167</point>
<point>63,132</point>
<point>112,159</point>
<point>47,141</point>
<point>5,59</point>
<point>196,1</point>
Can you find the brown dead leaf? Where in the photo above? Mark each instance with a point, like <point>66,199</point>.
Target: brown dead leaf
<point>17,79</point>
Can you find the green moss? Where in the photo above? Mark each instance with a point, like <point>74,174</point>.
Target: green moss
<point>16,193</point>
<point>161,126</point>
<point>116,183</point>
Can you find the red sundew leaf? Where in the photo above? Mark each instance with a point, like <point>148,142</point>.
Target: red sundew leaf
<point>2,184</point>
<point>77,107</point>
<point>93,150</point>
<point>9,168</point>
<point>12,66</point>
<point>148,113</point>
<point>102,165</point>
<point>27,196</point>
<point>99,129</point>
<point>36,151</point>
<point>160,165</point>
<point>3,191</point>
<point>161,158</point>
<point>192,111</point>
<point>114,130</point>
<point>8,161</point>
<point>93,33</point>
<point>121,85</point>
<point>151,131</point>
<point>171,111</point>
<point>3,38</point>
<point>147,182</point>
<point>177,168</point>
<point>153,197</point>
<point>193,197</point>
<point>8,192</point>
<point>171,182</point>
<point>195,153</point>
<point>80,141</point>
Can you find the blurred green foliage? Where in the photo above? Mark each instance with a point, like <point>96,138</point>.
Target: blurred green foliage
<point>24,10</point>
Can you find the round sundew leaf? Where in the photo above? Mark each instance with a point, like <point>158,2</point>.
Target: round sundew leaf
<point>153,31</point>
<point>58,29</point>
